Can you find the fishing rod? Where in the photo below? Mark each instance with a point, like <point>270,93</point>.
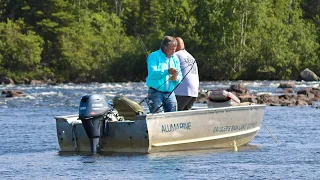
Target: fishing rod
<point>143,45</point>
<point>147,54</point>
<point>175,87</point>
<point>165,83</point>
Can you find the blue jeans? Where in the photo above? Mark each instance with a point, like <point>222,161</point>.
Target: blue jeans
<point>157,98</point>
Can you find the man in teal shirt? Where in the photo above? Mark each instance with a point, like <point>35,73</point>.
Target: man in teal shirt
<point>164,74</point>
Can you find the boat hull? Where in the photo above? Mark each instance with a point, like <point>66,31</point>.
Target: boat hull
<point>203,128</point>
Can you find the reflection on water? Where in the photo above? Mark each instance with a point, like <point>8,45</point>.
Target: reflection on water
<point>176,154</point>
<point>181,154</point>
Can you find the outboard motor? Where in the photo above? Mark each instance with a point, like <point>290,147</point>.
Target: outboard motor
<point>92,111</point>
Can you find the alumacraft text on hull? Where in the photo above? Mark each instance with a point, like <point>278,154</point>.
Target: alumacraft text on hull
<point>130,131</point>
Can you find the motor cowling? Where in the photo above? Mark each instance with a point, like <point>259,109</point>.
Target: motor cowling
<point>92,111</point>
<point>93,105</point>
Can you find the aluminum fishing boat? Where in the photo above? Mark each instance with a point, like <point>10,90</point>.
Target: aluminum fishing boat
<point>125,127</point>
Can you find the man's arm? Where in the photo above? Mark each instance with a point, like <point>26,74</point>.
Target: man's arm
<point>154,70</point>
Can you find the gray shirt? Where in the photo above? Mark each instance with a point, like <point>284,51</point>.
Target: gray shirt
<point>190,84</point>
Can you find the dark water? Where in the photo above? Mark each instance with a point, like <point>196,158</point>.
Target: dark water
<point>29,147</point>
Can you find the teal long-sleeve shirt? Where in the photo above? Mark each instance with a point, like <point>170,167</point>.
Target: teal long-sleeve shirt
<point>158,75</point>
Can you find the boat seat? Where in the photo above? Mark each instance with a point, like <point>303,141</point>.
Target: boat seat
<point>126,107</point>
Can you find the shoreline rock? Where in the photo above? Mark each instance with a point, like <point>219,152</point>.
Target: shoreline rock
<point>12,93</point>
<point>303,97</point>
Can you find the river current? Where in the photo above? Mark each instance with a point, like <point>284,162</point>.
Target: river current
<point>29,147</point>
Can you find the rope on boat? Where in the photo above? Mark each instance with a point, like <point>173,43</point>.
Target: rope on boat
<point>74,138</point>
<point>270,132</point>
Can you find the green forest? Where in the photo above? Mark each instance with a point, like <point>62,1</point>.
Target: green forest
<point>109,40</point>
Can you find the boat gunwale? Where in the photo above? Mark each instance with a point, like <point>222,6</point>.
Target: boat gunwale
<point>204,110</point>
<point>200,110</point>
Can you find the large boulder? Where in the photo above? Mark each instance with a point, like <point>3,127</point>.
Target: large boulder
<point>238,88</point>
<point>12,93</point>
<point>312,93</point>
<point>287,85</point>
<point>36,82</point>
<point>6,80</point>
<point>308,75</point>
<point>288,91</point>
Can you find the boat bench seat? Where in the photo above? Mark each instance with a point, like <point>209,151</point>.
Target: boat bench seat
<point>127,107</point>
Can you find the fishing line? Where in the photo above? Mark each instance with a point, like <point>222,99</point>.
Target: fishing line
<point>143,45</point>
<point>174,88</point>
<point>269,131</point>
<point>166,82</point>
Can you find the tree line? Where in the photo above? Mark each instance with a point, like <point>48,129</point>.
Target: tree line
<point>106,41</point>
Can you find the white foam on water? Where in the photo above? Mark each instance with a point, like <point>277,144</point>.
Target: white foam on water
<point>30,97</point>
<point>263,93</point>
<point>48,93</point>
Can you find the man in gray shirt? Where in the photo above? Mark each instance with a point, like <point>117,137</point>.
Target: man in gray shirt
<point>187,92</point>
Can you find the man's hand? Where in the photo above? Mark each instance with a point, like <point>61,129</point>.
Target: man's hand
<point>173,72</point>
<point>173,78</point>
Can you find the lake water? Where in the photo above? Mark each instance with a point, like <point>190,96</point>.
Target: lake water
<point>29,147</point>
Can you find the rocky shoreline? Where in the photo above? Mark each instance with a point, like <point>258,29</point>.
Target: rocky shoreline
<point>287,97</point>
<point>305,97</point>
